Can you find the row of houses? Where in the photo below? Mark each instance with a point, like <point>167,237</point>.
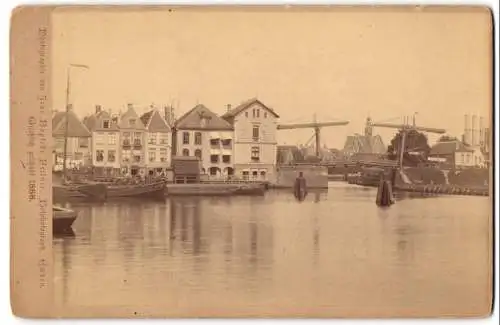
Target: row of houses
<point>241,142</point>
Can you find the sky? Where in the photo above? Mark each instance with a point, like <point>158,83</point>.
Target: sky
<point>342,64</point>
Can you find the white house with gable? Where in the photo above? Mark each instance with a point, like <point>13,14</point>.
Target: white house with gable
<point>255,142</point>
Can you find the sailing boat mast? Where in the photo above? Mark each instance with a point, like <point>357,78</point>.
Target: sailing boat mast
<point>68,83</point>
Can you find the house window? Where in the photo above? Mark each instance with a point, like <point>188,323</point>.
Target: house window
<point>163,138</point>
<point>265,114</point>
<point>255,154</point>
<point>226,143</point>
<point>245,174</point>
<point>111,156</point>
<point>254,174</point>
<point>185,152</point>
<point>214,142</point>
<point>137,158</point>
<point>185,137</point>
<point>99,155</point>
<point>126,138</point>
<point>214,159</point>
<point>137,138</point>
<point>253,112</point>
<point>131,122</point>
<point>246,114</point>
<point>197,153</point>
<point>126,154</point>
<point>99,138</point>
<point>226,159</point>
<point>163,154</point>
<point>152,138</point>
<point>255,133</point>
<point>111,138</point>
<point>83,142</point>
<point>258,112</point>
<point>106,124</point>
<point>152,156</point>
<point>197,138</point>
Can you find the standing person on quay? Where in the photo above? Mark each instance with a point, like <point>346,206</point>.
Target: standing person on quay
<point>300,188</point>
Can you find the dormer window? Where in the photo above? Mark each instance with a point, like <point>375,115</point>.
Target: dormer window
<point>105,124</point>
<point>131,122</point>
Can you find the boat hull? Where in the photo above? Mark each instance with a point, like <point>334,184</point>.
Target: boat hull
<point>199,190</point>
<point>85,191</point>
<point>62,220</point>
<point>152,190</point>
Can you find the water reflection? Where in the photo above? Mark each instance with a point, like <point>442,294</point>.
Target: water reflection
<point>335,249</point>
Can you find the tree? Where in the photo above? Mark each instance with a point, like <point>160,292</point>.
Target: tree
<point>415,142</point>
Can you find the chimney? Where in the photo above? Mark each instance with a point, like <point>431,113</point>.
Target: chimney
<point>474,130</point>
<point>482,139</point>
<point>98,108</point>
<point>228,107</point>
<point>466,130</point>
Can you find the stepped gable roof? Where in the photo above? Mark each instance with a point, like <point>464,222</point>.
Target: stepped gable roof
<point>76,128</point>
<point>201,118</point>
<point>246,104</point>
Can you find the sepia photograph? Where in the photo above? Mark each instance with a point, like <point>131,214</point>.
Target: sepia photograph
<point>269,161</point>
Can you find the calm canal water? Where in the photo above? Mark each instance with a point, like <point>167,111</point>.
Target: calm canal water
<point>336,253</point>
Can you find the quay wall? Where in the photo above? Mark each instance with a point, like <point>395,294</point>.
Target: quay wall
<point>469,177</point>
<point>316,176</point>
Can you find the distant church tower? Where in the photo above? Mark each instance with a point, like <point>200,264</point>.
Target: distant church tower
<point>368,127</point>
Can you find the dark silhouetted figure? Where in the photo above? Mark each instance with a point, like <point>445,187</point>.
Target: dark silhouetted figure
<point>384,193</point>
<point>300,188</point>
